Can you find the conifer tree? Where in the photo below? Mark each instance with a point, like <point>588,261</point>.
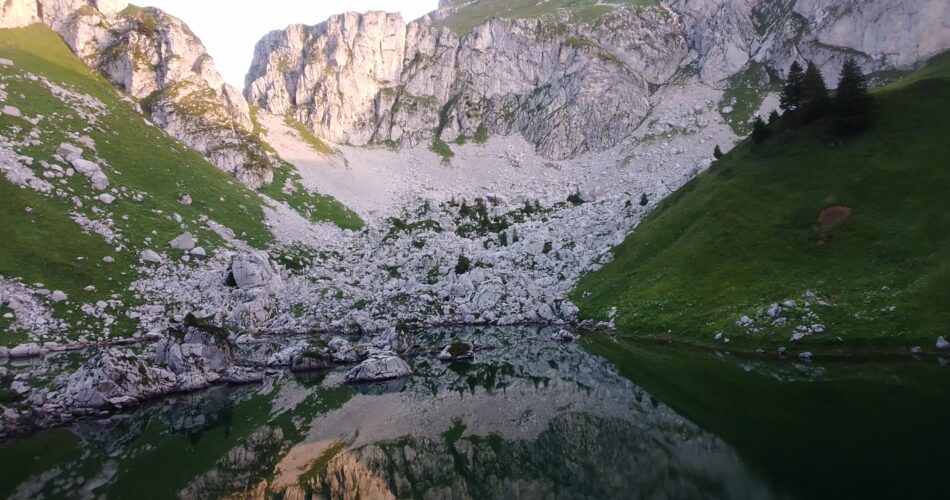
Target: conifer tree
<point>792,93</point>
<point>717,153</point>
<point>852,101</point>
<point>760,131</point>
<point>814,89</point>
<point>814,94</point>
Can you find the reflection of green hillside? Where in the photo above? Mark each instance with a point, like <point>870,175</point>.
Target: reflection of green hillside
<point>208,444</point>
<point>844,430</point>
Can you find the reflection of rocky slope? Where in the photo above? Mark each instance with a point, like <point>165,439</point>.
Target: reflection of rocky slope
<point>568,82</point>
<point>526,418</point>
<point>577,456</point>
<point>157,60</point>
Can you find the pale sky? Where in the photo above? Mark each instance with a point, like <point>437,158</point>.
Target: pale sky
<point>231,28</point>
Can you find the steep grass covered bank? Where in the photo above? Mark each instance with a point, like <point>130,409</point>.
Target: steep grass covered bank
<point>745,235</point>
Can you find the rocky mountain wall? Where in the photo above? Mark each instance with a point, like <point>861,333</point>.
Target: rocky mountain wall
<point>568,84</point>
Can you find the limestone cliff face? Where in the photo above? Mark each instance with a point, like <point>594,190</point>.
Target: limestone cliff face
<point>156,59</point>
<point>727,35</point>
<point>369,78</point>
<point>568,84</point>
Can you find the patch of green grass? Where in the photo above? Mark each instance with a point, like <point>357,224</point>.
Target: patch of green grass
<point>308,137</point>
<point>45,245</point>
<point>399,226</point>
<point>442,149</point>
<point>315,207</point>
<point>459,348</point>
<point>743,234</point>
<point>319,466</point>
<point>744,93</point>
<point>473,14</point>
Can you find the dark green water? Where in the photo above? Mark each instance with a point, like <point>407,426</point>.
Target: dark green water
<point>528,419</point>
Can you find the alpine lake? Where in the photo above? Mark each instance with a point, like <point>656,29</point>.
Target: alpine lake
<point>527,418</point>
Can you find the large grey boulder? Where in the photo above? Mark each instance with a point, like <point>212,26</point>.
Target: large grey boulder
<point>183,241</point>
<point>341,351</point>
<point>239,375</point>
<point>381,366</point>
<point>150,256</point>
<point>252,270</point>
<point>29,350</point>
<point>68,151</point>
<point>113,375</point>
<point>191,349</point>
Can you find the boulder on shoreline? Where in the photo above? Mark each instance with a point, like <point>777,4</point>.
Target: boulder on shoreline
<point>381,366</point>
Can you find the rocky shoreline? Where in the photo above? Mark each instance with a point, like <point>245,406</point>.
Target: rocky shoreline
<point>190,357</point>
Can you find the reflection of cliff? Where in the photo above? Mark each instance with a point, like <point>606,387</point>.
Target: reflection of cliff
<point>111,435</point>
<point>577,456</point>
<point>240,468</point>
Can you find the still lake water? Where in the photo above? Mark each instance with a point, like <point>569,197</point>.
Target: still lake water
<point>527,419</point>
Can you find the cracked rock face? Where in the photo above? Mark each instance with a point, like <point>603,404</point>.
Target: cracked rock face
<point>568,87</point>
<point>112,377</point>
<point>369,78</point>
<point>156,59</point>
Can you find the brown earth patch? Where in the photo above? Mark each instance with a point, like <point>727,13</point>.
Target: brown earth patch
<point>830,218</point>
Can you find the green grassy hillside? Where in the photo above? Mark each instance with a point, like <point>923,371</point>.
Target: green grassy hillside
<point>44,245</point>
<point>744,235</point>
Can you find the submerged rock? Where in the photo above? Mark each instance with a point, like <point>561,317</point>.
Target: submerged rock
<point>312,359</point>
<point>457,351</point>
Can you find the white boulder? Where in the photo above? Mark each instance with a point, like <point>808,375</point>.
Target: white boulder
<point>942,344</point>
<point>183,242</point>
<point>379,367</point>
<point>150,256</point>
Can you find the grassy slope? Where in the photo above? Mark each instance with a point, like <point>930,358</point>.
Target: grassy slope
<point>467,18</point>
<point>742,235</point>
<point>315,207</point>
<point>43,246</point>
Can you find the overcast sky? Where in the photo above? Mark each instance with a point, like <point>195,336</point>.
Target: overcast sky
<point>231,28</point>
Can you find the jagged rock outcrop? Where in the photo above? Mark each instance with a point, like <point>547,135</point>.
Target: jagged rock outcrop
<point>567,84</point>
<point>157,60</point>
